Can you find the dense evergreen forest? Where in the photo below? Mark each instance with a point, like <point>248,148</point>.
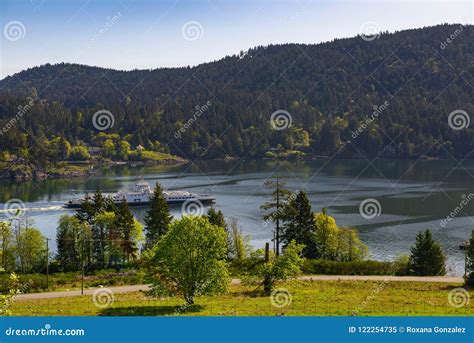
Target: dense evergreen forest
<point>400,87</point>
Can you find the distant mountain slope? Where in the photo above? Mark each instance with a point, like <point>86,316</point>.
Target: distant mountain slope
<point>416,78</point>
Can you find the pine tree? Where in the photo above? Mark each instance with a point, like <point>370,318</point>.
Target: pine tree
<point>216,218</point>
<point>86,212</point>
<point>427,257</point>
<point>275,208</point>
<point>99,204</point>
<point>469,278</point>
<point>157,218</point>
<point>300,225</point>
<point>125,222</point>
<point>90,207</point>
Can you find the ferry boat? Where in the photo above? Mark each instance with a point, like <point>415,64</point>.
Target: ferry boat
<point>142,193</point>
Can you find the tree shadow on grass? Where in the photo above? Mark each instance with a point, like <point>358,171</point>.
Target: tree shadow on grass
<point>150,310</point>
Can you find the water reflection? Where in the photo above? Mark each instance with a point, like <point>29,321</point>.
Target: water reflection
<point>414,195</point>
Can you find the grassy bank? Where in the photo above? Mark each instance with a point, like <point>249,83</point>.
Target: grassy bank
<point>313,298</point>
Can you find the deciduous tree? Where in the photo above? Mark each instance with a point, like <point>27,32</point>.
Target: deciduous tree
<point>190,259</point>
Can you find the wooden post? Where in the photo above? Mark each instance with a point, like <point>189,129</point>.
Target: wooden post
<point>267,288</point>
<point>82,262</point>
<point>47,263</point>
<point>267,252</point>
<point>277,251</point>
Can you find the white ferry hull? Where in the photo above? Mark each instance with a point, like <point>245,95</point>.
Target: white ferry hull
<point>171,202</point>
<point>142,194</point>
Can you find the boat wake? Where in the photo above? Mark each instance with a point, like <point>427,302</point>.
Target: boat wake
<point>37,209</point>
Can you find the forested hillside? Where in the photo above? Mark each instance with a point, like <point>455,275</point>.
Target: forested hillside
<point>400,86</point>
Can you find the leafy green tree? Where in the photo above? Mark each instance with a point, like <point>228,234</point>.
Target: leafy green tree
<point>64,149</point>
<point>30,249</point>
<point>335,243</point>
<point>6,300</point>
<point>79,153</point>
<point>108,148</point>
<point>7,245</point>
<point>350,247</point>
<point>123,150</point>
<point>278,268</point>
<point>326,236</point>
<point>300,225</point>
<point>469,278</point>
<point>239,244</point>
<point>73,240</point>
<point>190,259</point>
<point>426,256</point>
<point>158,217</point>
<point>103,231</point>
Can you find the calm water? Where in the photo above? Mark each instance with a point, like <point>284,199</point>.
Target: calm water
<point>413,196</point>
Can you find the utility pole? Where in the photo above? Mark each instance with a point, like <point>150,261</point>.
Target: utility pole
<point>465,264</point>
<point>274,241</point>
<point>277,243</point>
<point>82,267</point>
<point>47,263</point>
<point>267,252</point>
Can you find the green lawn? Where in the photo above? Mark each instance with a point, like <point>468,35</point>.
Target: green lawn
<point>315,298</point>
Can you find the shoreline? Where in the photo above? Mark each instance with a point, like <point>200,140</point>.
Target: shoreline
<point>22,172</point>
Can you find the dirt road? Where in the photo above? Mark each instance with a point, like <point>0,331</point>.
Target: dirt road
<point>136,288</point>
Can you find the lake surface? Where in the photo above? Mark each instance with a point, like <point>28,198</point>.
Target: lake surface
<point>413,195</point>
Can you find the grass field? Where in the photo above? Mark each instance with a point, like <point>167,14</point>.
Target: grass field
<point>314,298</point>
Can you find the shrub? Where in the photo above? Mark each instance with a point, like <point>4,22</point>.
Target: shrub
<point>278,268</point>
<point>32,282</point>
<point>368,267</point>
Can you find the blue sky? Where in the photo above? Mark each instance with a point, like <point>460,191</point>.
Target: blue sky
<point>144,34</point>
